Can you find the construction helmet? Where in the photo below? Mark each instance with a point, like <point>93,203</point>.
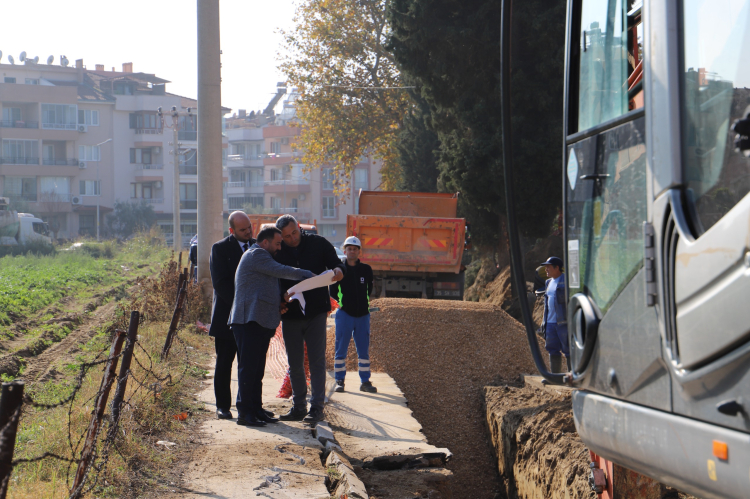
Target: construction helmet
<point>352,241</point>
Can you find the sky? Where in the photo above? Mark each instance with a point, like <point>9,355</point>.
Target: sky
<point>157,36</point>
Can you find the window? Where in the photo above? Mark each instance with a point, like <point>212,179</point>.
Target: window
<point>188,196</point>
<point>256,178</point>
<point>123,89</point>
<point>360,179</point>
<point>89,153</point>
<point>276,203</point>
<point>237,176</point>
<point>603,63</point>
<point>240,202</point>
<point>277,174</point>
<point>60,116</point>
<point>57,185</point>
<point>11,115</point>
<point>715,94</point>
<point>329,207</point>
<point>189,162</point>
<point>332,231</point>
<point>20,187</point>
<point>293,205</point>
<point>239,149</point>
<point>88,117</point>
<point>89,187</point>
<point>606,211</point>
<point>140,190</point>
<point>144,121</point>
<point>9,79</point>
<point>326,175</point>
<point>32,81</point>
<point>20,152</point>
<point>275,147</point>
<point>87,225</point>
<point>140,156</point>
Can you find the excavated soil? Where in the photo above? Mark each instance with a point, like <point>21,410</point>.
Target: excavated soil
<point>442,354</point>
<point>539,452</point>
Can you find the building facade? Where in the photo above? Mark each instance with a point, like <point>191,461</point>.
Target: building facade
<point>74,138</point>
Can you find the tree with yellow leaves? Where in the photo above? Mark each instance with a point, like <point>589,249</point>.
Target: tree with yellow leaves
<point>351,96</point>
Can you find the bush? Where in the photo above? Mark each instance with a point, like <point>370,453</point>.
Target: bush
<point>104,249</point>
<point>33,248</point>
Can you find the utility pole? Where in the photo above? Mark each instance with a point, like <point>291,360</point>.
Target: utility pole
<point>176,151</point>
<point>98,187</point>
<point>210,198</point>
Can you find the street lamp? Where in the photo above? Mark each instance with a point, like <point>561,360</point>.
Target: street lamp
<point>98,186</point>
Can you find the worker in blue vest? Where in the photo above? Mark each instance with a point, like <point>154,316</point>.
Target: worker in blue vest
<point>353,315</point>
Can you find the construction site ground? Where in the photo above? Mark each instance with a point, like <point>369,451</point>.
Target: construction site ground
<point>450,384</point>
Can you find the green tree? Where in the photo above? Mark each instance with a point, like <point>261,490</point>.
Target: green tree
<point>417,147</point>
<point>350,104</point>
<point>451,50</point>
<point>129,218</point>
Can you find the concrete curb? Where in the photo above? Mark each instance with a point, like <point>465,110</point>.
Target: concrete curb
<point>349,485</point>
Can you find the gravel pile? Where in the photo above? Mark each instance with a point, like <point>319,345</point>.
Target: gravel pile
<point>442,354</point>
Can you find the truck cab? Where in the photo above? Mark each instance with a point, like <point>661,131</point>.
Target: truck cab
<point>32,229</point>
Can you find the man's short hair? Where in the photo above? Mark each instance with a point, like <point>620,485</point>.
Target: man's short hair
<point>267,233</point>
<point>285,220</point>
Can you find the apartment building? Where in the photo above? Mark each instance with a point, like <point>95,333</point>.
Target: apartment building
<point>267,175</point>
<point>74,138</point>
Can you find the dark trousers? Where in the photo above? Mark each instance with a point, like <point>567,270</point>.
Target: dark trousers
<point>252,346</point>
<point>297,334</point>
<point>226,349</point>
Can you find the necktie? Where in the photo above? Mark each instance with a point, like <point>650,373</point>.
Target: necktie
<point>244,247</point>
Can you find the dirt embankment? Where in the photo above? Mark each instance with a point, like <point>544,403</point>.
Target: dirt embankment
<point>442,354</point>
<point>539,452</point>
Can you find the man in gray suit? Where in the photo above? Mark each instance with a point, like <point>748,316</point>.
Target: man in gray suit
<point>255,315</point>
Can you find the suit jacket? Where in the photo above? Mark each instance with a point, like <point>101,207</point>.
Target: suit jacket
<point>225,256</point>
<point>257,295</point>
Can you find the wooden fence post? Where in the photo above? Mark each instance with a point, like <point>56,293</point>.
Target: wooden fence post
<point>122,383</point>
<point>180,280</point>
<point>175,321</point>
<point>10,405</point>
<point>89,445</point>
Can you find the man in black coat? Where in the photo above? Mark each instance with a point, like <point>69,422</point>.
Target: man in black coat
<point>314,253</point>
<point>225,257</point>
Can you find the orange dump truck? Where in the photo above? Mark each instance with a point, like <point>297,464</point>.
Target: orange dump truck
<point>259,220</point>
<point>413,241</point>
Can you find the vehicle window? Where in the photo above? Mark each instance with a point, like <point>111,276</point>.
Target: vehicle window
<point>606,208</point>
<point>609,70</point>
<point>715,81</point>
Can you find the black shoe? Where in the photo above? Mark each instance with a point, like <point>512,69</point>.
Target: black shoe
<point>223,414</point>
<point>339,386</point>
<point>270,414</point>
<point>367,387</point>
<point>294,414</point>
<point>249,420</point>
<point>262,415</point>
<point>314,416</point>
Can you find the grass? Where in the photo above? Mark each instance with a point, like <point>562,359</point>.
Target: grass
<point>136,466</point>
<point>28,283</point>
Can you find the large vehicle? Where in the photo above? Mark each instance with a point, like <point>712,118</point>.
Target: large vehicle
<point>656,178</point>
<point>21,228</point>
<point>259,220</point>
<point>413,242</point>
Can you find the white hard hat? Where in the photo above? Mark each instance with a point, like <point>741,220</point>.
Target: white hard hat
<point>352,241</point>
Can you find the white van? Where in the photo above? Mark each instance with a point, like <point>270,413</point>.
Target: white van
<point>32,229</point>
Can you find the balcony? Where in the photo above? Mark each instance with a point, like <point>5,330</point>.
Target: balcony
<point>140,166</point>
<point>148,131</point>
<point>59,162</point>
<point>60,126</point>
<point>147,200</point>
<point>19,124</point>
<point>188,204</point>
<point>187,135</point>
<point>11,160</point>
<point>291,181</point>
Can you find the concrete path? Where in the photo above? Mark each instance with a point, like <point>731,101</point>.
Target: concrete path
<point>278,461</point>
<point>375,424</point>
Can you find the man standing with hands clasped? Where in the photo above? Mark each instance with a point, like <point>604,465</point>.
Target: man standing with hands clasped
<point>314,253</point>
<point>255,315</point>
<point>225,256</point>
<point>353,316</point>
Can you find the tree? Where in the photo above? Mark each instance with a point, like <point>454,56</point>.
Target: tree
<point>452,51</point>
<point>418,147</point>
<point>54,204</point>
<point>131,217</point>
<point>350,102</point>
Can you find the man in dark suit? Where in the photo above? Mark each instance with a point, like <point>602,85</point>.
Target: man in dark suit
<point>255,315</point>
<point>225,257</point>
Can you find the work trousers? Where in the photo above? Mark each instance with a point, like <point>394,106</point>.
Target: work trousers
<point>556,336</point>
<point>252,347</point>
<point>226,349</point>
<point>297,334</point>
<point>346,328</point>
